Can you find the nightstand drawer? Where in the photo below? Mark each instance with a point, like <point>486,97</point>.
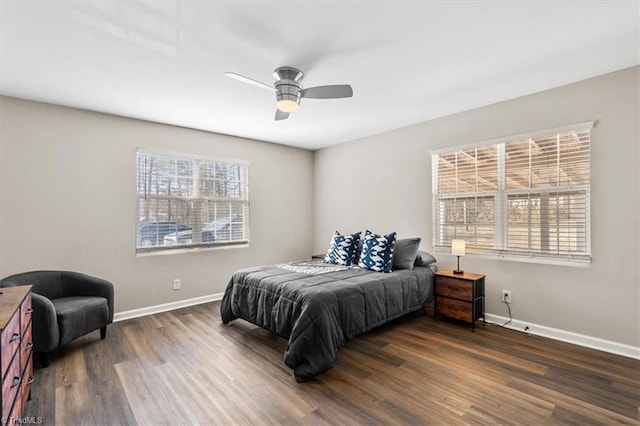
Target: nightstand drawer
<point>456,309</point>
<point>452,287</point>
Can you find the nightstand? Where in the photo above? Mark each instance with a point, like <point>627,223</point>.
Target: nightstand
<point>459,296</point>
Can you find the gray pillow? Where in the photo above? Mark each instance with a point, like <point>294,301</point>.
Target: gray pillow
<point>405,252</point>
<point>424,259</point>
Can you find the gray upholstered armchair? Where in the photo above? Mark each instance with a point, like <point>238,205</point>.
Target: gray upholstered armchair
<point>66,305</point>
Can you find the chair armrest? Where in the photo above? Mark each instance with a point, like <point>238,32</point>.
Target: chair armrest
<point>77,284</point>
<point>44,324</point>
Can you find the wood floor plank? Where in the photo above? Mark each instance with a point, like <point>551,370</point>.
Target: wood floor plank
<point>151,400</point>
<point>616,367</point>
<point>584,409</point>
<point>186,367</point>
<point>76,400</point>
<point>71,368</point>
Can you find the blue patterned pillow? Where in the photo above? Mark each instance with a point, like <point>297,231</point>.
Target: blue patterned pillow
<point>377,252</point>
<point>342,249</point>
<point>357,248</point>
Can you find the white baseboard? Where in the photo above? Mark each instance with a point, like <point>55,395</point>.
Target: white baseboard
<point>567,336</point>
<point>135,313</point>
<point>535,329</point>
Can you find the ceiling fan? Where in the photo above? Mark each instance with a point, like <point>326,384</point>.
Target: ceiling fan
<point>288,89</point>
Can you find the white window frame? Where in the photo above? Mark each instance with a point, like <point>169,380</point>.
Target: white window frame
<point>192,200</point>
<point>500,250</point>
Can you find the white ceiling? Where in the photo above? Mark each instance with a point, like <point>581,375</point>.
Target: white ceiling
<point>407,62</point>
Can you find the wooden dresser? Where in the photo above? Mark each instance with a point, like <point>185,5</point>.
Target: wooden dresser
<point>16,346</point>
<point>460,296</point>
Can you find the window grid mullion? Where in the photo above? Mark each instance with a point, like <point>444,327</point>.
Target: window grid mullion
<point>475,199</point>
<point>530,174</point>
<point>501,199</point>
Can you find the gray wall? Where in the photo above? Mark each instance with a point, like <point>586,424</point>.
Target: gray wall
<point>67,201</point>
<point>383,183</point>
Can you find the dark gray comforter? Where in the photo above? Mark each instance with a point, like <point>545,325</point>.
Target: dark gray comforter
<point>318,306</point>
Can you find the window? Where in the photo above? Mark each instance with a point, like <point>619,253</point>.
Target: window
<point>179,194</point>
<point>523,197</point>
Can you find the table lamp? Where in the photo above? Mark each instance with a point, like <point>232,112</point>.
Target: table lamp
<point>458,249</point>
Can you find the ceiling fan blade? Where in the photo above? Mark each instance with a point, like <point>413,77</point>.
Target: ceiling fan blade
<point>328,92</point>
<point>249,81</point>
<point>281,115</point>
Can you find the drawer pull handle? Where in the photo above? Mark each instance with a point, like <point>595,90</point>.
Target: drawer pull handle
<point>29,345</point>
<point>30,380</point>
<point>29,310</point>
<point>16,381</point>
<point>14,337</point>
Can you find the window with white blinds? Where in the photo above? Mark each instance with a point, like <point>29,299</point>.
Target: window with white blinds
<point>521,197</point>
<point>186,202</point>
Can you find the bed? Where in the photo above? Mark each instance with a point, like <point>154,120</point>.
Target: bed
<point>319,306</point>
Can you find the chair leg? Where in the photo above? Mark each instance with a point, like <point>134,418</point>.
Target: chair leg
<point>103,332</point>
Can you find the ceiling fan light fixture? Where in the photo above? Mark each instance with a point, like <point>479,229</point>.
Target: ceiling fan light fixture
<point>286,105</point>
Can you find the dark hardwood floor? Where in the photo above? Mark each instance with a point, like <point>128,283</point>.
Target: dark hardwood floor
<point>186,367</point>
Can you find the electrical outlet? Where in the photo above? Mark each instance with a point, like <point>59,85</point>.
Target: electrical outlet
<point>506,296</point>
<point>176,284</point>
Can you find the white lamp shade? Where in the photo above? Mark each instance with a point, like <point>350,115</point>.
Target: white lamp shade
<point>458,247</point>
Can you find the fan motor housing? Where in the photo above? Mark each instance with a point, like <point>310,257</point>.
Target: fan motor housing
<point>288,86</point>
<point>288,73</point>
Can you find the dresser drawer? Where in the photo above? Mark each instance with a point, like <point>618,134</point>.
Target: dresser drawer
<point>26,346</point>
<point>10,341</point>
<point>10,387</point>
<point>27,379</point>
<point>455,309</point>
<point>452,287</point>
<point>26,312</point>
<point>16,413</point>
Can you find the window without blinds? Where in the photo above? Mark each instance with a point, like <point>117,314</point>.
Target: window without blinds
<point>190,202</point>
<point>521,196</point>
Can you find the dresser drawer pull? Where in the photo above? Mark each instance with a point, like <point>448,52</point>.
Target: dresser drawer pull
<point>30,380</point>
<point>14,337</point>
<point>28,311</point>
<point>29,345</point>
<point>16,381</point>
